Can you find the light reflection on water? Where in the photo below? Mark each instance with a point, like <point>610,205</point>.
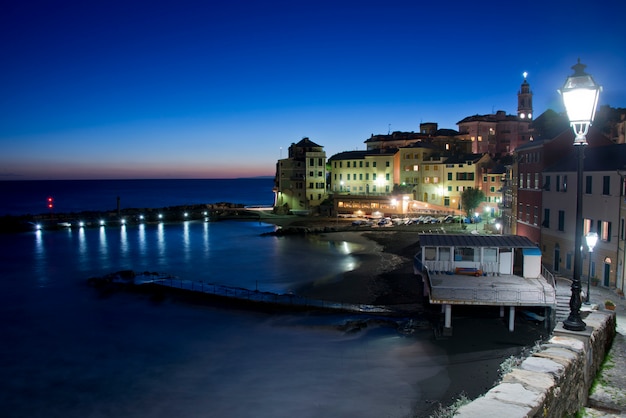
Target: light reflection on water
<point>87,354</point>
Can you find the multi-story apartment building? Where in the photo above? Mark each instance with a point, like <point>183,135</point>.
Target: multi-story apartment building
<point>530,160</point>
<point>509,199</point>
<point>491,185</point>
<point>529,187</point>
<point>621,232</point>
<point>444,139</point>
<point>462,172</point>
<point>603,191</point>
<point>300,182</point>
<point>419,168</point>
<point>372,172</point>
<point>499,133</point>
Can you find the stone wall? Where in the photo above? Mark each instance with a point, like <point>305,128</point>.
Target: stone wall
<point>555,380</point>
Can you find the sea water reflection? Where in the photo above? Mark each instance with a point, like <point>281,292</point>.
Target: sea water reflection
<point>78,353</point>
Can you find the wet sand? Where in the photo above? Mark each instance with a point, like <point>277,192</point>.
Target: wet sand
<point>383,276</point>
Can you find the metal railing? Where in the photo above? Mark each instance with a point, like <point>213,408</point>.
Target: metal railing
<point>257,296</point>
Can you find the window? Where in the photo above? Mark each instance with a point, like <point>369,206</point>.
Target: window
<point>558,183</point>
<point>373,163</point>
<point>546,186</point>
<point>360,176</point>
<point>588,185</point>
<point>348,164</point>
<point>361,164</point>
<point>367,163</point>
<point>444,254</point>
<point>367,176</point>
<point>564,183</point>
<point>561,220</point>
<point>605,230</point>
<point>606,185</point>
<point>311,174</point>
<point>546,218</point>
<point>311,162</point>
<point>386,163</point>
<point>430,253</point>
<point>490,255</point>
<point>449,176</point>
<point>348,176</point>
<point>374,178</point>
<point>528,180</point>
<point>536,216</point>
<point>465,254</point>
<point>536,180</point>
<point>387,176</point>
<point>492,189</point>
<point>568,261</point>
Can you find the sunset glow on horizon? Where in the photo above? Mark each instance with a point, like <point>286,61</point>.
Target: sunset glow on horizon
<point>190,89</point>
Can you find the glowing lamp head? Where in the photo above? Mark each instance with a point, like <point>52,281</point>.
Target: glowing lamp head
<point>580,97</point>
<point>592,239</point>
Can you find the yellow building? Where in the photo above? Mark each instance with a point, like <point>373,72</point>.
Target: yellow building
<point>461,173</point>
<point>300,182</point>
<point>364,172</point>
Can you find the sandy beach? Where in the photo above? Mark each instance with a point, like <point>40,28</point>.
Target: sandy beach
<point>383,276</point>
<point>481,340</point>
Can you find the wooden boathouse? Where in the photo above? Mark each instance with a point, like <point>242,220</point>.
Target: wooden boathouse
<point>483,270</point>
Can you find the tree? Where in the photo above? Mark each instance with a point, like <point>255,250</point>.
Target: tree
<point>402,189</point>
<point>470,199</point>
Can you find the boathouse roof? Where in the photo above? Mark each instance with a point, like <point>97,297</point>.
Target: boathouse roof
<point>469,240</point>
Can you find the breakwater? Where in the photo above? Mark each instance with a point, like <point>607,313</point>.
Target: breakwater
<point>130,216</point>
<point>158,282</point>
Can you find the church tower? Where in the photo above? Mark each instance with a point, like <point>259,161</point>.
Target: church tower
<point>525,101</point>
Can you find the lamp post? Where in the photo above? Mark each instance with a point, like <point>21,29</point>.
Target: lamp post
<point>580,97</point>
<point>592,239</point>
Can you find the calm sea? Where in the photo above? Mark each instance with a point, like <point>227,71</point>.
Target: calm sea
<point>68,351</point>
<point>30,197</point>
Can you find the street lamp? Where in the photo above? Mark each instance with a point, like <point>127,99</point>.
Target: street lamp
<point>592,239</point>
<point>580,97</point>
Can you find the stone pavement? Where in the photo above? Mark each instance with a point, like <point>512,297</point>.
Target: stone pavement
<point>607,397</point>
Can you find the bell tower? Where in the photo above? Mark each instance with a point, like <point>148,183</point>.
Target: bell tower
<point>525,100</point>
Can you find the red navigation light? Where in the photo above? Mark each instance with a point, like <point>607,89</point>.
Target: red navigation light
<point>50,203</point>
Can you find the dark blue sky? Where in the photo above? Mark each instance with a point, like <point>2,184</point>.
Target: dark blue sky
<point>204,89</point>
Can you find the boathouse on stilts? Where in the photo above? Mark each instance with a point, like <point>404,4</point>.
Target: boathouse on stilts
<point>484,270</point>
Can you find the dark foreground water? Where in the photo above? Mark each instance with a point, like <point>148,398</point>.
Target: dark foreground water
<point>68,351</point>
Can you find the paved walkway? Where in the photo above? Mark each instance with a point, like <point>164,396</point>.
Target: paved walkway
<point>608,394</point>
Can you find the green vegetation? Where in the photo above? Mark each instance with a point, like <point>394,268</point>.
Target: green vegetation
<point>470,199</point>
<point>451,410</point>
